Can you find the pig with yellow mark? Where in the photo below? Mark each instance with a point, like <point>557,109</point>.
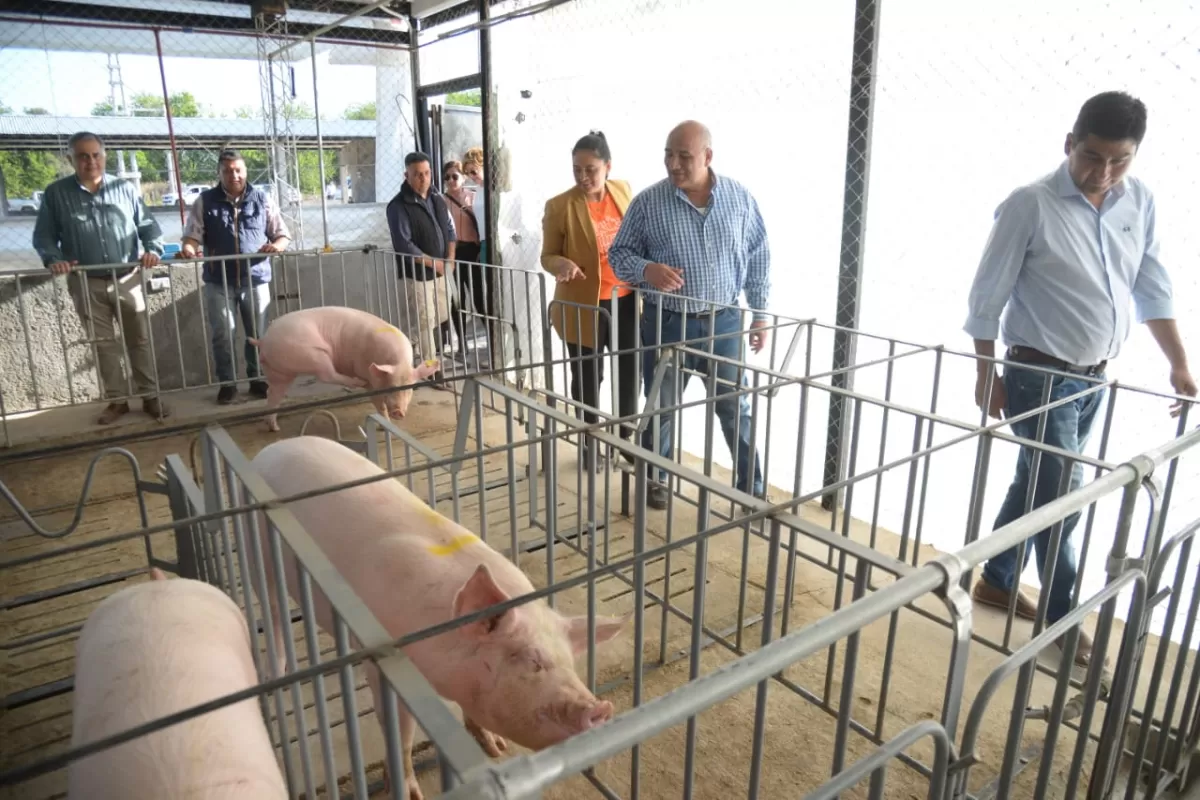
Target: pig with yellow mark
<point>512,673</point>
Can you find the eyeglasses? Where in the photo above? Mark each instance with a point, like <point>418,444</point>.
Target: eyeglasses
<point>454,176</point>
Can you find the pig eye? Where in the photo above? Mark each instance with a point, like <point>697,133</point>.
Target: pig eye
<point>532,658</point>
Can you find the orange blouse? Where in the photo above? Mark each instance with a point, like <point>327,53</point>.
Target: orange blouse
<point>606,220</point>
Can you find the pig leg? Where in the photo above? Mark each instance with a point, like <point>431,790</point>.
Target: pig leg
<point>277,385</point>
<point>325,371</point>
<point>271,601</point>
<point>492,744</point>
<point>380,406</point>
<point>408,730</point>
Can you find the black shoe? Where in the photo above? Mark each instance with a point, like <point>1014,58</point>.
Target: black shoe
<point>226,395</point>
<point>656,496</point>
<point>258,390</point>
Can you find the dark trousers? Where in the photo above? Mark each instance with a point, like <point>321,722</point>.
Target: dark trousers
<point>587,374</point>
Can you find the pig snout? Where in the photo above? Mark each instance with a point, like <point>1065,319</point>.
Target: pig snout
<point>568,718</point>
<point>595,715</point>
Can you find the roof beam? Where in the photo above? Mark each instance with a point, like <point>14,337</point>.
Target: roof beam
<point>60,10</point>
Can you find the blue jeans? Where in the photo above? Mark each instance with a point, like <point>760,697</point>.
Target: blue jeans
<point>1067,427</point>
<point>251,303</point>
<point>732,412</point>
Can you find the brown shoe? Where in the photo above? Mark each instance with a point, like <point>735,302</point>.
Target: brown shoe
<point>988,595</point>
<point>1083,650</point>
<point>112,413</point>
<point>156,408</point>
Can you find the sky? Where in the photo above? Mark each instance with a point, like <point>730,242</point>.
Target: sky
<point>69,83</point>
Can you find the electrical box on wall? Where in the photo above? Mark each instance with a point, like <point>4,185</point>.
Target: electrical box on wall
<point>425,8</point>
<point>269,10</point>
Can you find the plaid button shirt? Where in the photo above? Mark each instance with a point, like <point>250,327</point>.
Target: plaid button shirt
<point>722,251</point>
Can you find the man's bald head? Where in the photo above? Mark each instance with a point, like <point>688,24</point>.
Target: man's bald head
<point>692,134</point>
<point>688,155</point>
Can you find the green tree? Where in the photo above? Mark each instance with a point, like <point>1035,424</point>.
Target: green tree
<point>4,109</point>
<point>183,104</point>
<point>299,110</point>
<point>360,111</point>
<point>152,164</point>
<point>471,97</point>
<point>29,171</point>
<point>310,170</point>
<point>37,111</point>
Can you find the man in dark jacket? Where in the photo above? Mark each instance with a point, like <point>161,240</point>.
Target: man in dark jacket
<point>423,237</point>
<point>235,218</point>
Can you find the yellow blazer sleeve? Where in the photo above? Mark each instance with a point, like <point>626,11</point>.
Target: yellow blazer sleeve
<point>554,233</point>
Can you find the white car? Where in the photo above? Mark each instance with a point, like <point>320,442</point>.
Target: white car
<point>25,205</point>
<point>190,193</point>
<point>291,195</point>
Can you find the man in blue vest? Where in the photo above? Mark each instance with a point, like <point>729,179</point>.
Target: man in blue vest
<point>235,218</point>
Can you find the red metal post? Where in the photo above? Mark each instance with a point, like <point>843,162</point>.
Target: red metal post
<point>162,72</point>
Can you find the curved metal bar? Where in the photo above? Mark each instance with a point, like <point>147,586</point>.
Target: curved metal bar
<point>84,493</point>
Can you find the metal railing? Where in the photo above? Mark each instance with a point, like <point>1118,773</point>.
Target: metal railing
<point>512,478</point>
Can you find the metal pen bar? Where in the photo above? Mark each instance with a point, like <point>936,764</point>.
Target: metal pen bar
<point>719,489</point>
<point>461,749</point>
<point>942,753</point>
<point>318,680</point>
<point>537,771</point>
<point>350,709</point>
<point>760,703</point>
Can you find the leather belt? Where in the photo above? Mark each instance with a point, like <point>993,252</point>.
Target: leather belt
<point>1028,355</point>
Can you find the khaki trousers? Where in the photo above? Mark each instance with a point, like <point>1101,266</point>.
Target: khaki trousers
<point>97,301</point>
<point>428,306</point>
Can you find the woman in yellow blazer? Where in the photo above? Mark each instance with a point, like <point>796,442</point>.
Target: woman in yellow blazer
<point>577,229</point>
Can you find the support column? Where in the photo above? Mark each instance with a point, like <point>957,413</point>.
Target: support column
<point>491,165</point>
<point>865,48</point>
<point>394,120</point>
<point>171,171</point>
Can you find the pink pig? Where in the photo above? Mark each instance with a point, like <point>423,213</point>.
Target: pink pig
<point>155,649</point>
<point>513,674</point>
<point>339,345</point>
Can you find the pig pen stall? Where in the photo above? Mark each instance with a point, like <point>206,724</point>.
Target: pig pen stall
<point>766,646</point>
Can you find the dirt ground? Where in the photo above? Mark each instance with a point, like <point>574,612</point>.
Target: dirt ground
<point>799,733</point>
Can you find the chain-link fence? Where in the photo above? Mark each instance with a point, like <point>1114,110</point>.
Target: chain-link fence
<point>972,102</point>
<point>323,127</point>
<point>945,110</point>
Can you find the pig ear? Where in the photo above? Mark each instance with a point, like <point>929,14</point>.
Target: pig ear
<point>606,629</point>
<point>382,369</point>
<point>479,592</point>
<point>425,370</point>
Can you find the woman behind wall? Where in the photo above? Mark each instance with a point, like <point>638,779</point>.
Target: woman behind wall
<point>577,228</point>
<point>469,278</point>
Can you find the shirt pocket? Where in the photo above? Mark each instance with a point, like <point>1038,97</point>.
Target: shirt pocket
<point>1127,234</point>
<point>725,233</point>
